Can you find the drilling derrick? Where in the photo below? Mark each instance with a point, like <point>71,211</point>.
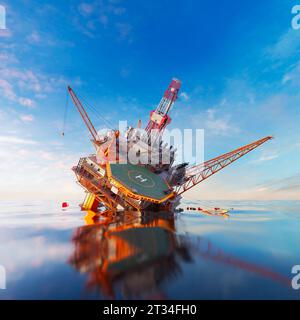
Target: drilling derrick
<point>159,117</point>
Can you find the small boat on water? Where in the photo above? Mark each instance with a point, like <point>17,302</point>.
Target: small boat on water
<point>211,212</point>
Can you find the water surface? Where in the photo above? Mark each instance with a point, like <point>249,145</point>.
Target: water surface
<point>53,254</point>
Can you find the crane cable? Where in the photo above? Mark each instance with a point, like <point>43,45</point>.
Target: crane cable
<point>65,114</point>
<point>90,107</point>
<point>96,112</point>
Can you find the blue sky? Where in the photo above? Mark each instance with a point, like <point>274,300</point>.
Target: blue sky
<point>239,62</point>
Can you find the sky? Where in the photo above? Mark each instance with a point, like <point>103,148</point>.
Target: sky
<point>239,63</point>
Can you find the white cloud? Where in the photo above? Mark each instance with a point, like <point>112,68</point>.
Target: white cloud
<point>27,118</point>
<point>5,33</point>
<point>86,9</point>
<point>7,58</point>
<point>34,37</point>
<point>124,30</point>
<point>98,14</point>
<point>288,45</point>
<point>261,189</point>
<point>47,173</point>
<point>101,7</point>
<point>47,155</point>
<point>25,79</point>
<point>267,158</point>
<point>26,102</point>
<point>23,152</point>
<point>7,89</point>
<point>16,140</point>
<point>184,96</point>
<point>219,125</point>
<point>293,76</point>
<point>282,188</point>
<point>9,93</point>
<point>20,85</point>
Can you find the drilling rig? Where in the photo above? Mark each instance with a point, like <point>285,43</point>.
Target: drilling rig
<point>129,172</point>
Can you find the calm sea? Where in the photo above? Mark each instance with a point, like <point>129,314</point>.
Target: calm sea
<point>47,253</point>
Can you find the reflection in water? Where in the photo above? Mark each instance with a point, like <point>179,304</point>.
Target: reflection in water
<point>135,254</point>
<point>48,254</point>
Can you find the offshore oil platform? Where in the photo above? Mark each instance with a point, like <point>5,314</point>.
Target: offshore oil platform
<point>136,170</point>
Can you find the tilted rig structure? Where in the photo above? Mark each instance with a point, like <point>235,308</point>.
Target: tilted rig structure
<point>114,182</point>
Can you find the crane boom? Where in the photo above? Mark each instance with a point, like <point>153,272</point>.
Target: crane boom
<point>196,174</point>
<point>83,114</point>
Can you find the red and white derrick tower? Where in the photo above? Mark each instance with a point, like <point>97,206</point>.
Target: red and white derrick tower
<point>159,117</point>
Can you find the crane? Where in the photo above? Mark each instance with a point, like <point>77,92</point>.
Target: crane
<point>198,173</point>
<point>84,115</point>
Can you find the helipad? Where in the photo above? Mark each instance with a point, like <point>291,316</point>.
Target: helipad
<point>139,180</point>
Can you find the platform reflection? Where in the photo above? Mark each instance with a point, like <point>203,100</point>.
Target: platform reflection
<point>132,253</point>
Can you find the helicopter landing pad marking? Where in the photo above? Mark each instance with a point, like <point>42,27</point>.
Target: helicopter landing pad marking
<point>141,179</point>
